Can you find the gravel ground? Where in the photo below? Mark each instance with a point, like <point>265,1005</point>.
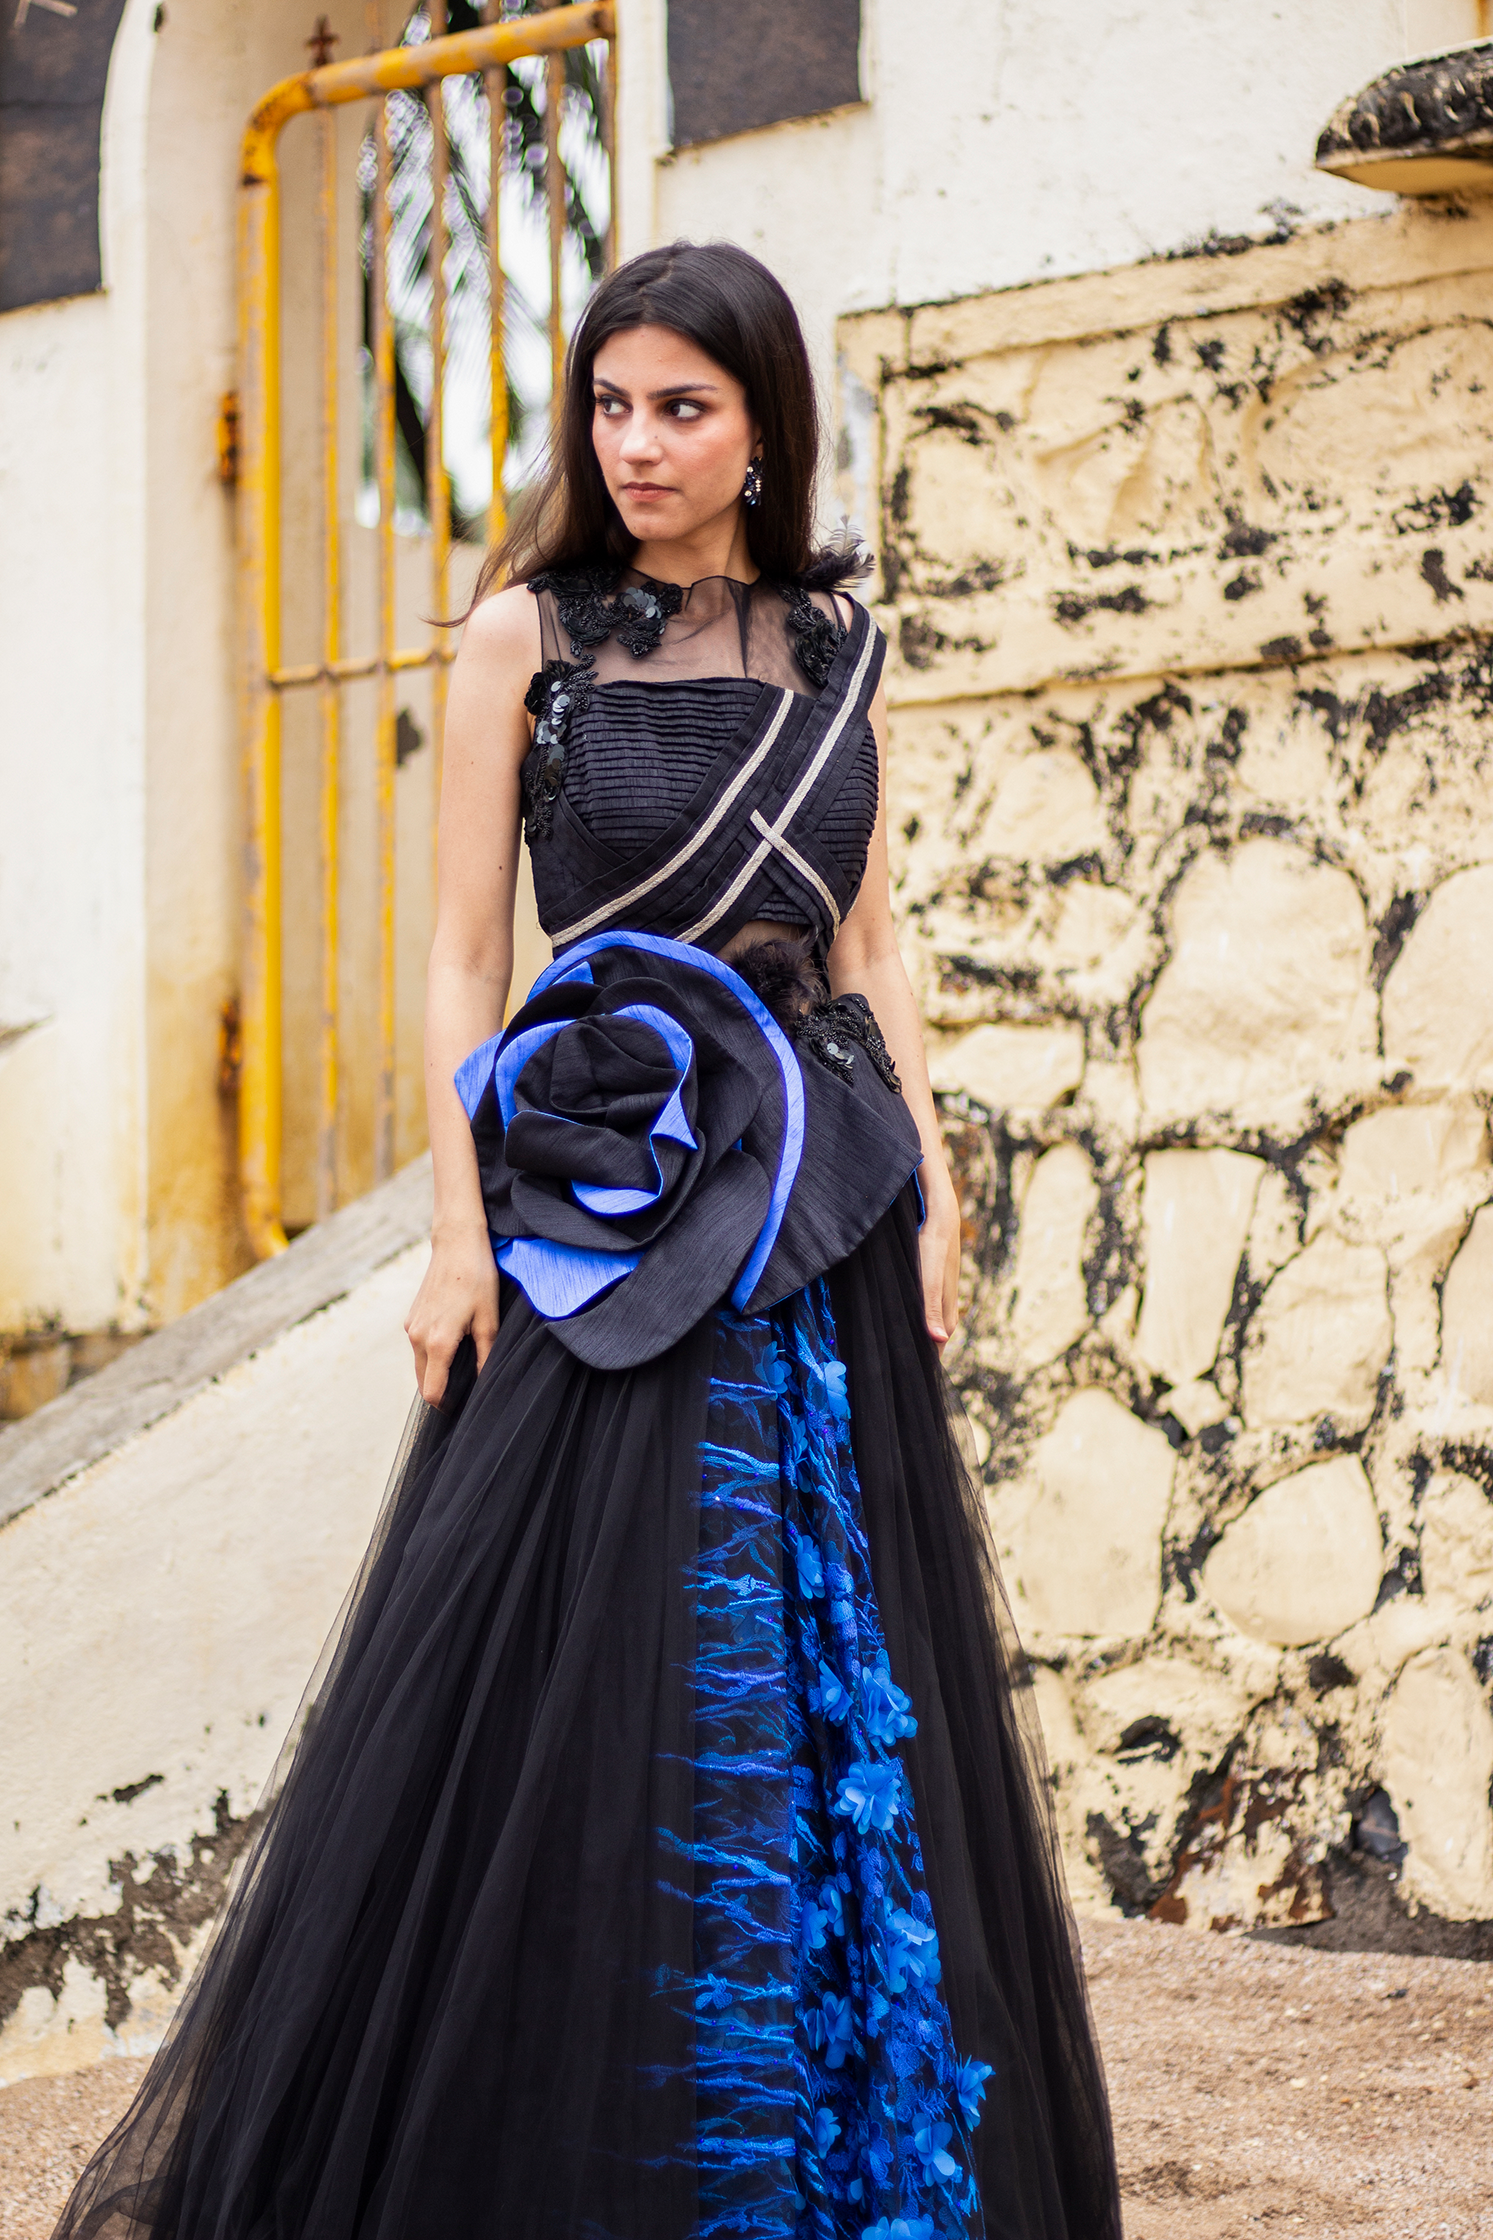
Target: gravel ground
<point>1335,2096</point>
<point>1338,2095</point>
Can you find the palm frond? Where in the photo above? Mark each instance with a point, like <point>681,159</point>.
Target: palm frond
<point>410,126</point>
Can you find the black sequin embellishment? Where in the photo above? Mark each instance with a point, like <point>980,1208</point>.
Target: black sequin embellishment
<point>816,638</point>
<point>643,609</point>
<point>559,692</point>
<point>591,609</point>
<point>833,1032</point>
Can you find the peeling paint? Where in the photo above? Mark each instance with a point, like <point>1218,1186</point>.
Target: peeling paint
<point>166,1902</point>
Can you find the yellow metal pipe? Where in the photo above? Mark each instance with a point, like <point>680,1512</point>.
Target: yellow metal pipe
<point>438,496</point>
<point>260,1078</point>
<point>404,68</point>
<point>554,181</point>
<point>261,1104</point>
<point>358,665</point>
<point>384,747</point>
<point>609,143</point>
<point>497,307</point>
<point>331,650</point>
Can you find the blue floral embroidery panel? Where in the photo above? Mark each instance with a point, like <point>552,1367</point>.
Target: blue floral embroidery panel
<point>831,2104</point>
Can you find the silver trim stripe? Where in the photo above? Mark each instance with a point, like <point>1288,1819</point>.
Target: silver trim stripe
<point>696,839</point>
<point>791,806</point>
<point>801,864</point>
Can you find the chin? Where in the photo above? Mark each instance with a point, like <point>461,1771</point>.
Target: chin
<point>661,519</point>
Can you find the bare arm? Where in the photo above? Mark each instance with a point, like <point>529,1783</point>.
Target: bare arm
<point>865,961</point>
<point>471,964</point>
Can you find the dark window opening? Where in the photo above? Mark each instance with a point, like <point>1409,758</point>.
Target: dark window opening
<point>735,65</point>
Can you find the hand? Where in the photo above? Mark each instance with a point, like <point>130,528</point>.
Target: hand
<point>938,1256</point>
<point>459,1295</point>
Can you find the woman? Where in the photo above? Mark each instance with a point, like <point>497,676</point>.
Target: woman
<point>664,1853</point>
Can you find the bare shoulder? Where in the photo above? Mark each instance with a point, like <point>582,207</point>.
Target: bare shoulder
<point>500,639</point>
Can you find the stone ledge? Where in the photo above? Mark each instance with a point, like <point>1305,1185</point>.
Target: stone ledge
<point>1386,248</point>
<point>155,1377</point>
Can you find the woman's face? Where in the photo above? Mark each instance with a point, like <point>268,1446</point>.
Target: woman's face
<point>672,432</point>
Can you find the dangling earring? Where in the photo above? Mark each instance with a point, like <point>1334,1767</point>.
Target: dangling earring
<point>751,489</point>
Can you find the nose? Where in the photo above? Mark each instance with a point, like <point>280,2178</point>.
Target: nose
<point>640,443</point>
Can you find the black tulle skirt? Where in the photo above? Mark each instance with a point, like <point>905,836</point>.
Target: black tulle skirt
<point>665,1849</point>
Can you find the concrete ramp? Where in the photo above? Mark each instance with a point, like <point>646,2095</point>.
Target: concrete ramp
<point>176,1536</point>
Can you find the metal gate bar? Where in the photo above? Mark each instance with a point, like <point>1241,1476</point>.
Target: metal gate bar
<point>264,677</point>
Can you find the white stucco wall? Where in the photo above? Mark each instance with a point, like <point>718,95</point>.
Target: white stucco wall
<point>1005,141</point>
<point>72,645</point>
<point>120,823</point>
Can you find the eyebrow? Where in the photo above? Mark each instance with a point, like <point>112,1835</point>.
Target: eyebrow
<point>656,396</point>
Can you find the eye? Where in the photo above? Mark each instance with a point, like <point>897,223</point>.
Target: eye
<point>609,407</point>
<point>683,409</point>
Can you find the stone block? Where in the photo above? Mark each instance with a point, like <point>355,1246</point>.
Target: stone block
<point>1408,1178</point>
<point>1438,999</point>
<point>1051,1307</point>
<point>1396,1162</point>
<point>1304,1560</point>
<point>1092,925</point>
<point>1320,1338</point>
<point>1007,1068</point>
<point>1158,1696</point>
<point>1252,1854</point>
<point>1046,809</point>
<point>1061,1740</point>
<point>1456,1539</point>
<point>1266,999</point>
<point>1437,1765</point>
<point>1197,1405</point>
<point>1195,1214</point>
<point>1467,1315</point>
<point>1275,1231</point>
<point>1088,1547</point>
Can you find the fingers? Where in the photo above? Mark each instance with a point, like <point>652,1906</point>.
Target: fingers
<point>433,1378</point>
<point>933,1306</point>
<point>951,1292</point>
<point>939,1263</point>
<point>484,1337</point>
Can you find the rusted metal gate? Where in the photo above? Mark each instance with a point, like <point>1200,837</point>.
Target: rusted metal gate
<point>265,680</point>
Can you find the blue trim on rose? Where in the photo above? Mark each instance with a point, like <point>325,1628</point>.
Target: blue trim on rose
<point>701,960</point>
<point>560,1279</point>
<point>514,1056</point>
<point>475,1072</point>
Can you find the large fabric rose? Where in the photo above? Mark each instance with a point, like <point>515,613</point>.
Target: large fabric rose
<point>642,1130</point>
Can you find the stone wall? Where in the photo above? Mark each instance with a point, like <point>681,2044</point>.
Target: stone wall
<point>1188,572</point>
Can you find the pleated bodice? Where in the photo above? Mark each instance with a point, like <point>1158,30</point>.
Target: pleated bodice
<point>649,697</point>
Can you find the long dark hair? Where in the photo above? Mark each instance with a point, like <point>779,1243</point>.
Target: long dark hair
<point>732,307</point>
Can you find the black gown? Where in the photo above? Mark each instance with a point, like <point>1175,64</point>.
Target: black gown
<point>664,1850</point>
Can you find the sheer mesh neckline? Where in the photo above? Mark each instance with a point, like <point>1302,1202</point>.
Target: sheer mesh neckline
<point>616,622</point>
<point>662,583</point>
